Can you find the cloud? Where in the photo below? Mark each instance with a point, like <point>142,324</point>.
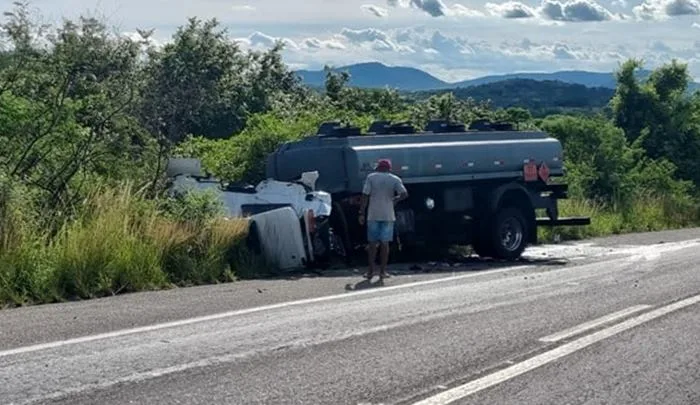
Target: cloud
<point>245,7</point>
<point>554,10</point>
<point>258,39</point>
<point>376,39</point>
<point>435,8</point>
<point>447,45</point>
<point>315,43</point>
<point>660,46</point>
<point>510,10</point>
<point>448,54</point>
<point>562,51</point>
<point>663,9</point>
<point>377,11</point>
<point>575,11</point>
<point>696,25</point>
<point>366,35</point>
<point>455,52</point>
<point>463,11</point>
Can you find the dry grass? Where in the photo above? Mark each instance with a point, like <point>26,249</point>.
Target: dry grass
<point>642,215</point>
<point>119,242</point>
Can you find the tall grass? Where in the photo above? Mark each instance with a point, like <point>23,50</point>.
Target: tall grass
<point>117,242</point>
<point>643,214</point>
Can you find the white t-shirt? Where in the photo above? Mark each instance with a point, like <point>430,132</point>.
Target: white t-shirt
<point>382,187</point>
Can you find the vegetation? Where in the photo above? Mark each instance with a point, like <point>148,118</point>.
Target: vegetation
<point>88,119</point>
<point>540,97</point>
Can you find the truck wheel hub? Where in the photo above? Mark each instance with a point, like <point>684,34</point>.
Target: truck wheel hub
<point>511,234</point>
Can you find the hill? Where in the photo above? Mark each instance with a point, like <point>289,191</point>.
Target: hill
<point>588,79</point>
<point>378,75</point>
<point>540,97</point>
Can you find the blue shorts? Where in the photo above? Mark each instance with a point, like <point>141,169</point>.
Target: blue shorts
<point>380,231</point>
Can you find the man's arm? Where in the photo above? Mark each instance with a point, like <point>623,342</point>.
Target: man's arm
<point>400,189</point>
<point>364,200</point>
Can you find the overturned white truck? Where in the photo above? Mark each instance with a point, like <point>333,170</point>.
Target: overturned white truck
<point>289,220</point>
<point>480,185</point>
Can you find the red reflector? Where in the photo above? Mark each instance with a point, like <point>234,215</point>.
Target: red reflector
<point>530,171</point>
<point>544,172</point>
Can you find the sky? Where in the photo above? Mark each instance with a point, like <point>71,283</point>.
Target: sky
<point>451,39</point>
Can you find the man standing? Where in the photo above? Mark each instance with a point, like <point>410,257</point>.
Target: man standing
<point>382,190</point>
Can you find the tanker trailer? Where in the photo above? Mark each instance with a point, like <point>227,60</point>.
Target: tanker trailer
<point>480,185</point>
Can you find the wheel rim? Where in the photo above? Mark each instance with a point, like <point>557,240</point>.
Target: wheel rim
<point>511,233</point>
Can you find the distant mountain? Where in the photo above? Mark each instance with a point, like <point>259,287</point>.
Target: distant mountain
<point>378,75</point>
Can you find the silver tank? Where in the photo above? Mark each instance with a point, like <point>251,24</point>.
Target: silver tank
<point>424,157</point>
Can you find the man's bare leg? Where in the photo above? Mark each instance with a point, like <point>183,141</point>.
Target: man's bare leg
<point>371,258</point>
<point>384,257</point>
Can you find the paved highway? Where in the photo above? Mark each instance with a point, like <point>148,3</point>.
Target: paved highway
<point>612,321</point>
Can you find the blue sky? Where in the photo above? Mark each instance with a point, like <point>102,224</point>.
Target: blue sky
<point>452,39</point>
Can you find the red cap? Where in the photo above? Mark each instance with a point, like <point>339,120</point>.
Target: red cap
<point>384,164</point>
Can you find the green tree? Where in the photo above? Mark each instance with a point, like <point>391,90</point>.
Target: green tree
<point>658,115</point>
<point>202,83</point>
<point>597,156</point>
<point>335,83</point>
<point>65,115</point>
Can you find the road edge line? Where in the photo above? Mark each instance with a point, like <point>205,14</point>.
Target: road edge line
<point>579,329</point>
<point>523,367</point>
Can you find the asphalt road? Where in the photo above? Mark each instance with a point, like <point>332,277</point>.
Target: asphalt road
<point>610,321</point>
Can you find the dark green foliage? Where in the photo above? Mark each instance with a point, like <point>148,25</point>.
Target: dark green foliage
<point>534,95</point>
<point>203,84</point>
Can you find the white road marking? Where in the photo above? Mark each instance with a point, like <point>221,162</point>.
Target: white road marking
<point>506,374</point>
<point>593,324</point>
<point>189,321</point>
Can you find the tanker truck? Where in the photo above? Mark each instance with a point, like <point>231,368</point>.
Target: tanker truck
<point>481,185</point>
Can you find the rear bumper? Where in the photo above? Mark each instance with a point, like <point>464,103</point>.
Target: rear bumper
<point>566,221</point>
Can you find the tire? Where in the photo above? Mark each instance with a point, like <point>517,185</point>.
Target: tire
<point>508,234</point>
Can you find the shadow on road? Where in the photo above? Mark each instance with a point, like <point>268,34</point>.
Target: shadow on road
<point>364,285</point>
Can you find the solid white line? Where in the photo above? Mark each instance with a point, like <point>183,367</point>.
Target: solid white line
<point>498,377</point>
<point>189,321</point>
<point>592,324</point>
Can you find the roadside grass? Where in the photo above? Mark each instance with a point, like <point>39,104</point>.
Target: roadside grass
<point>647,214</point>
<point>118,242</point>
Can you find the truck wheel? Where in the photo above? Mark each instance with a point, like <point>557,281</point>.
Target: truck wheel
<point>509,234</point>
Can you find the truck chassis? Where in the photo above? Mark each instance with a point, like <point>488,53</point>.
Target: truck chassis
<point>498,218</point>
